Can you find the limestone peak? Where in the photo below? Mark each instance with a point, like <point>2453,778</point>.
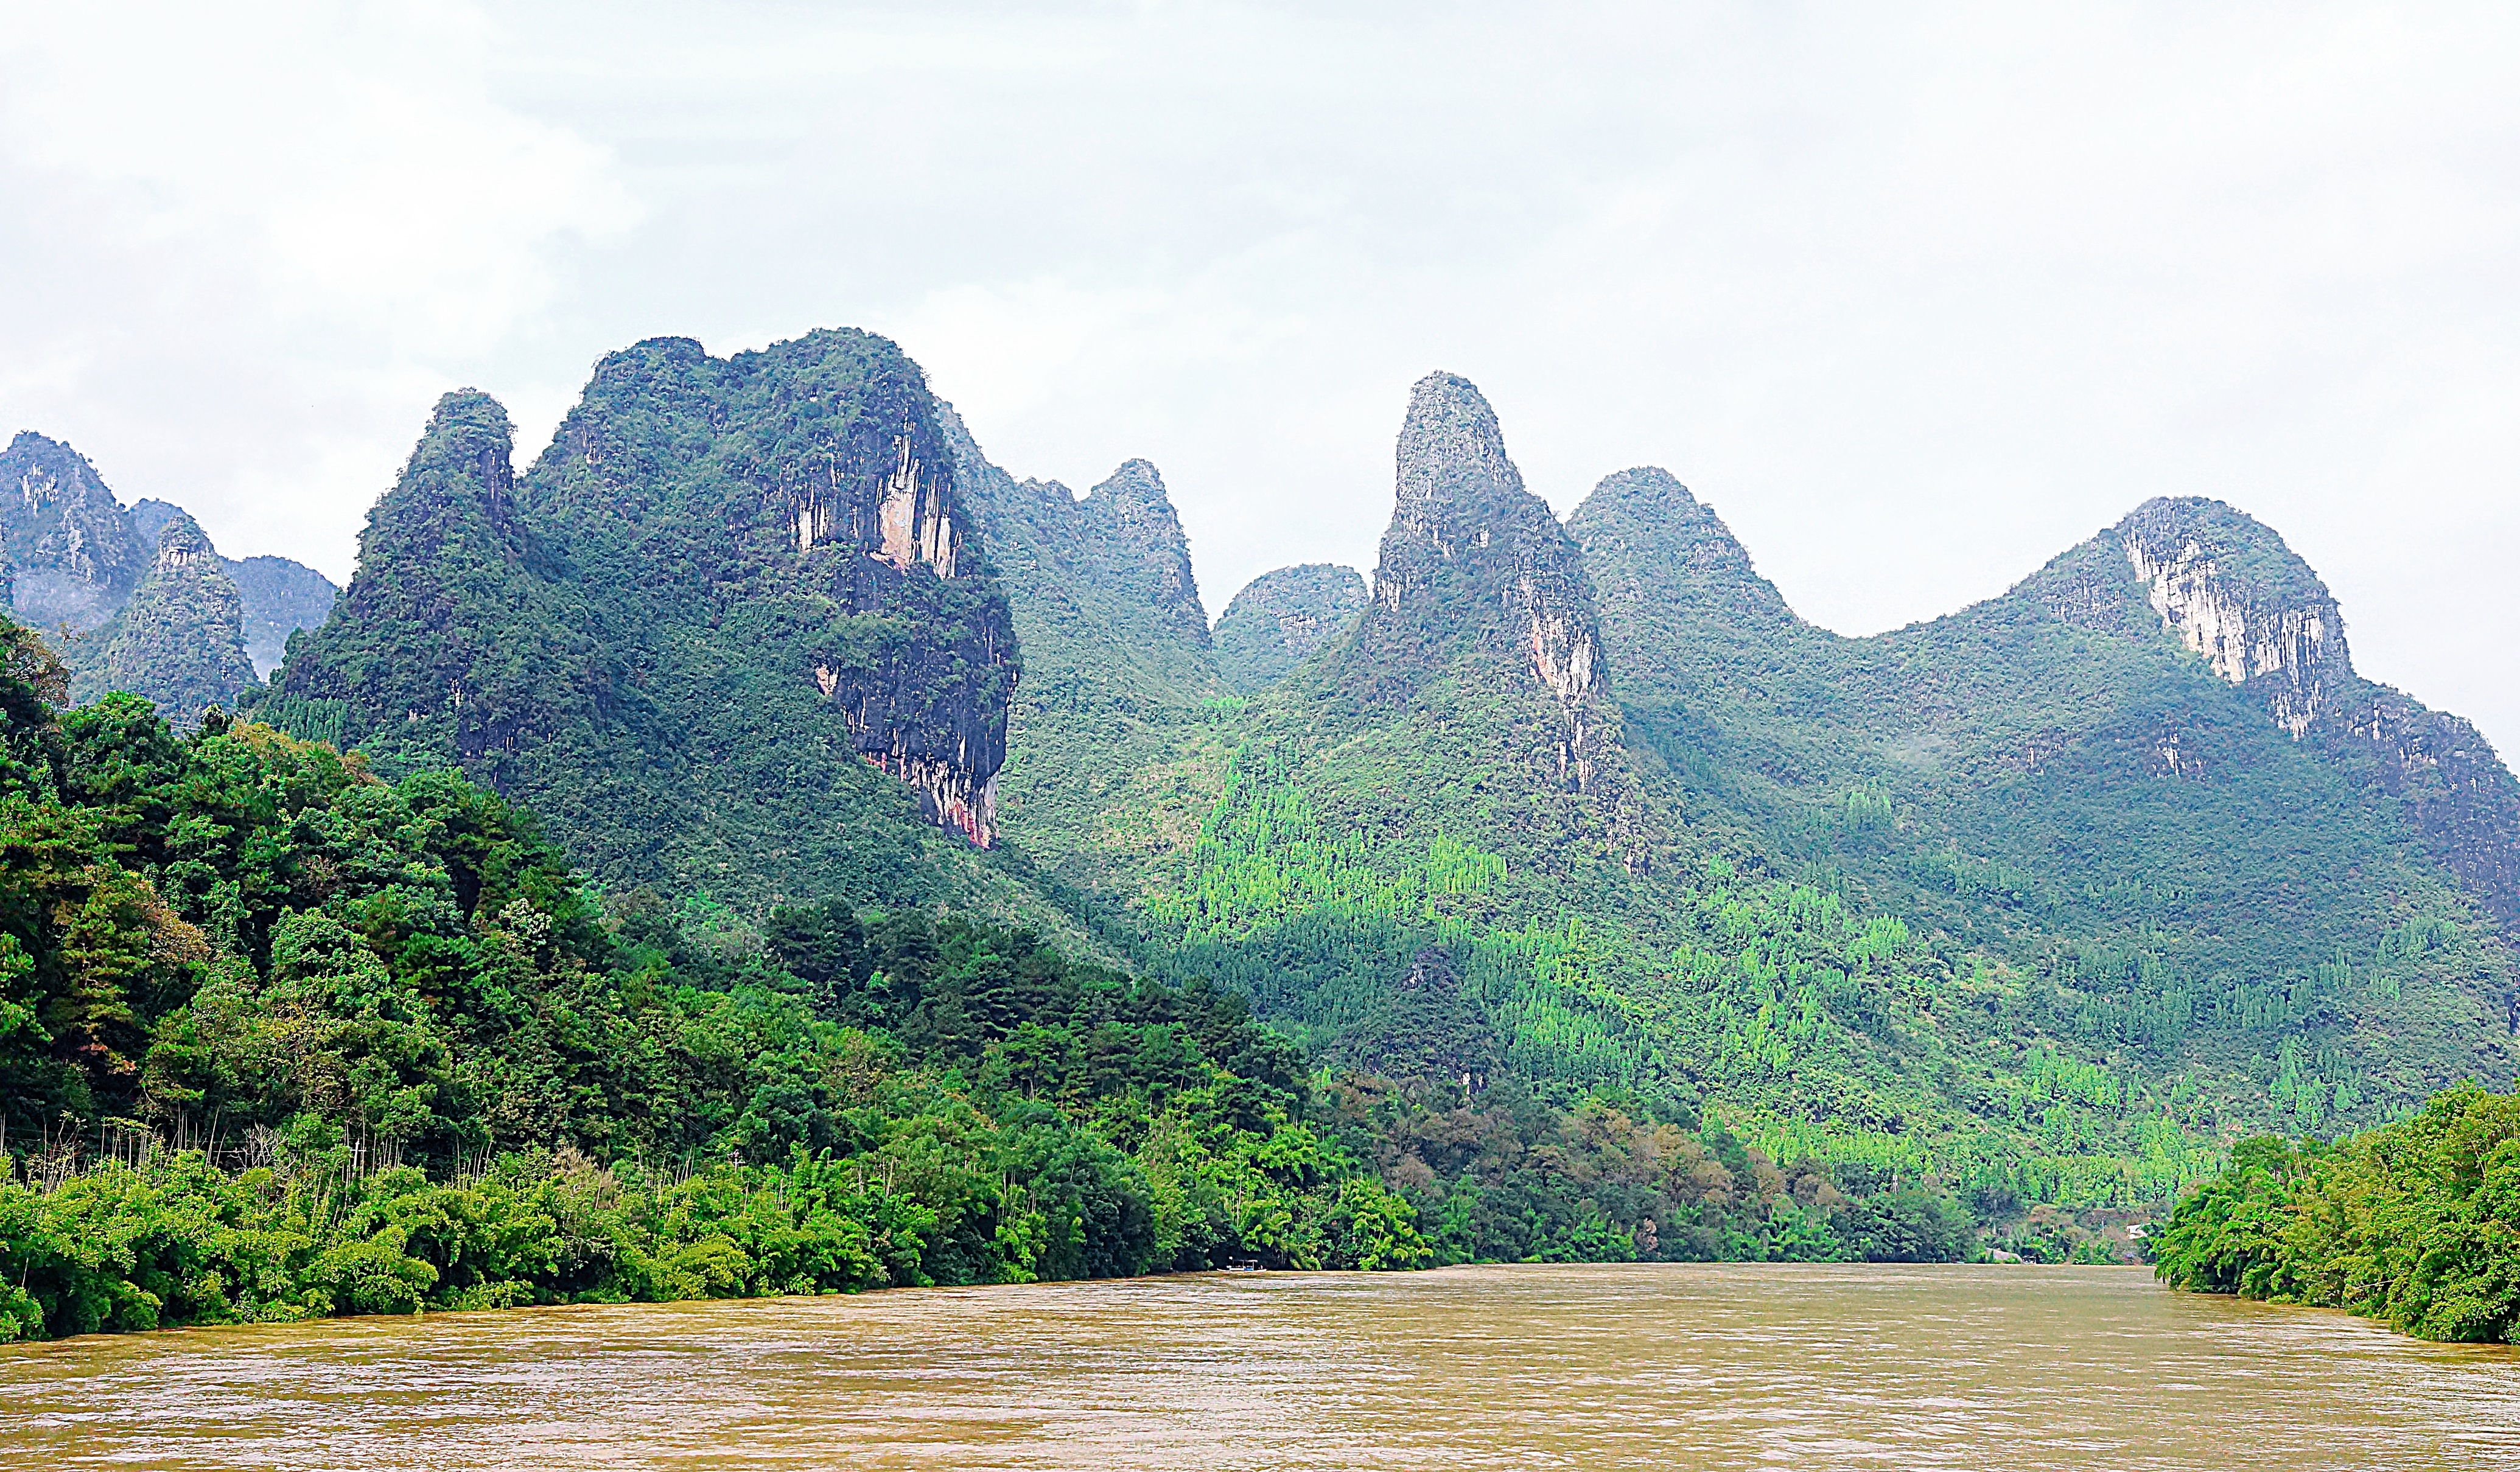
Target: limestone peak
<point>1475,567</point>
<point>2230,590</point>
<point>1132,511</point>
<point>1458,492</point>
<point>1642,531</point>
<point>66,536</point>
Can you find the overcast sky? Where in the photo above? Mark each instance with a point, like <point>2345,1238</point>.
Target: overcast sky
<point>1915,296</point>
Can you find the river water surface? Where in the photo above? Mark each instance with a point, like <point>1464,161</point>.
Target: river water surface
<point>1472,1367</point>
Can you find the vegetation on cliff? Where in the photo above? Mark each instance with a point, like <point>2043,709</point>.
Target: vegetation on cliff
<point>1283,618</point>
<point>729,635</point>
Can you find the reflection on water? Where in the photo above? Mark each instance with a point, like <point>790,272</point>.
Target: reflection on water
<point>1524,1367</point>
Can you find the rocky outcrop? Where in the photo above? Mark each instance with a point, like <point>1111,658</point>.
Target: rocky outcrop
<point>70,548</point>
<point>2229,590</point>
<point>1281,618</point>
<point>2233,593</point>
<point>179,641</point>
<point>1472,557</point>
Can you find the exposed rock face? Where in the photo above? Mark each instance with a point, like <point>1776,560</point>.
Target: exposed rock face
<point>2231,591</point>
<point>1281,618</point>
<point>74,554</point>
<point>179,641</point>
<point>1470,555</point>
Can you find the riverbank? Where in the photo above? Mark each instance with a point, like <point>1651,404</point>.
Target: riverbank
<point>2414,1223</point>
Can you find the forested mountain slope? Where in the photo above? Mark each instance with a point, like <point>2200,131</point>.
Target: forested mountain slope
<point>2142,783</point>
<point>2047,900</point>
<point>1111,759</point>
<point>730,636</point>
<point>1281,618</point>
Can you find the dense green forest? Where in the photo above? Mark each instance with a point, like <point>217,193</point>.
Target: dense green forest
<point>2415,1222</point>
<point>279,1038</point>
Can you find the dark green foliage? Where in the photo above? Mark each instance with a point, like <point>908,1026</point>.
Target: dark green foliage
<point>2154,874</point>
<point>2416,1223</point>
<point>1280,619</point>
<point>444,1064</point>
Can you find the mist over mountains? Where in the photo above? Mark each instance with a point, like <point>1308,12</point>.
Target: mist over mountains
<point>2054,896</point>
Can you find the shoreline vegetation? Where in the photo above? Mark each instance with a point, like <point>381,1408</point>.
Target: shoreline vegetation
<point>280,1038</point>
<point>2416,1224</point>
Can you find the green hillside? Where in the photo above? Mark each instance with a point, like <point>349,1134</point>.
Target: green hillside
<point>1110,753</point>
<point>2170,876</point>
<point>2029,899</point>
<point>1281,618</point>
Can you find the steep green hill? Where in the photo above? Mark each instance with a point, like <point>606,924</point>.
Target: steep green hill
<point>1281,618</point>
<point>2129,784</point>
<point>731,634</point>
<point>1112,752</point>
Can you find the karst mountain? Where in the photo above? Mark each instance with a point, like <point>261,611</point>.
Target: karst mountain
<point>2063,891</point>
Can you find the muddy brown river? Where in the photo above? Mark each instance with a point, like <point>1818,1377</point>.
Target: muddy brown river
<point>1473,1367</point>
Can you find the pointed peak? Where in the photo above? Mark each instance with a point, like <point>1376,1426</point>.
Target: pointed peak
<point>1137,482</point>
<point>1451,452</point>
<point>1131,510</point>
<point>181,541</point>
<point>1648,541</point>
<point>2226,585</point>
<point>469,433</point>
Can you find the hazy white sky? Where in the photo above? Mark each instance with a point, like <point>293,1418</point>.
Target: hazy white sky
<point>1916,296</point>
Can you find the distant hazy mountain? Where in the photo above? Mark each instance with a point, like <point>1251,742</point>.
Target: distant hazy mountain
<point>76,557</point>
